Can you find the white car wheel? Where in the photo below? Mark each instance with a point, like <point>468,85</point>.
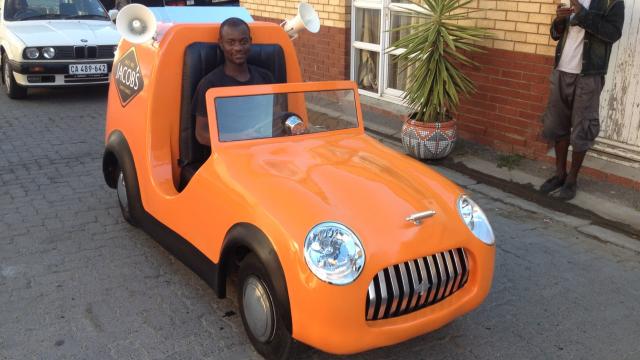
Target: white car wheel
<point>14,91</point>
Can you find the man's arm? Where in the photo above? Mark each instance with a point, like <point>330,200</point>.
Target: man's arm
<point>199,110</point>
<point>202,130</point>
<point>607,27</point>
<point>559,24</point>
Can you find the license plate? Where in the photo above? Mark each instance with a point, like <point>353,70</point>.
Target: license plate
<point>87,69</point>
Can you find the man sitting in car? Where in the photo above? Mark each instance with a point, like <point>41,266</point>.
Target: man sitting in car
<point>235,42</point>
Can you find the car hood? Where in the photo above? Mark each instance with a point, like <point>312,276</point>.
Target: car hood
<point>64,32</point>
<point>350,179</point>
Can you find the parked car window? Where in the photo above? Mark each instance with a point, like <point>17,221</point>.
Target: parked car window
<point>21,10</point>
<point>263,116</point>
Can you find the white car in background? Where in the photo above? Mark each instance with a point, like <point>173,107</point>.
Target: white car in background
<point>55,43</point>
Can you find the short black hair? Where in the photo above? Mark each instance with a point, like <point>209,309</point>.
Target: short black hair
<point>234,22</point>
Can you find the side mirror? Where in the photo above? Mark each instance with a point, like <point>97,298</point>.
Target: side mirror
<point>113,14</point>
<point>294,125</point>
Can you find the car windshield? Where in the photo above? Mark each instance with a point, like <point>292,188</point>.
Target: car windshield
<point>23,10</point>
<point>284,114</point>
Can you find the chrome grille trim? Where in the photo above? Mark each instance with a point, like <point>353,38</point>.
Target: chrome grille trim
<point>451,277</point>
<point>456,261</point>
<point>383,294</point>
<point>415,284</point>
<point>433,279</point>
<point>405,287</point>
<point>423,275</point>
<point>441,275</point>
<point>396,292</point>
<point>371,300</point>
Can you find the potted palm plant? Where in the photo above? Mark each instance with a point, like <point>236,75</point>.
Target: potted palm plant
<point>435,47</point>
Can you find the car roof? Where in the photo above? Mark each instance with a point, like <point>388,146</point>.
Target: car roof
<point>199,14</point>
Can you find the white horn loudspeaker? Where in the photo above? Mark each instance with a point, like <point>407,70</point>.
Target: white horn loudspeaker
<point>136,23</point>
<point>307,18</point>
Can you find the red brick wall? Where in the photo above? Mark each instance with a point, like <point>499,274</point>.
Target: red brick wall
<point>513,88</point>
<point>323,55</point>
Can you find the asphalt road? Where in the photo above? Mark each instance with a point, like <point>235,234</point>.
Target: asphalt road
<point>77,282</point>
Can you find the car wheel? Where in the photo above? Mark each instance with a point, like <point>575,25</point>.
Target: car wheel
<point>262,316</point>
<point>13,90</point>
<point>123,198</point>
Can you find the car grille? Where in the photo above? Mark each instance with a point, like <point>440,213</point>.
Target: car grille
<point>105,51</point>
<point>84,52</point>
<point>413,285</point>
<point>64,52</point>
<point>85,79</point>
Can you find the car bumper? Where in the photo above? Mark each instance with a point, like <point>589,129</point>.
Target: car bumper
<point>50,74</point>
<point>338,324</point>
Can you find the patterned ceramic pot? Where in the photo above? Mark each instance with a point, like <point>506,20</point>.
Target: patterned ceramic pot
<point>429,141</point>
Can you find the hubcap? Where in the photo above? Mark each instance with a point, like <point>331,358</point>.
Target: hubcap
<point>258,309</point>
<point>7,79</point>
<point>122,192</point>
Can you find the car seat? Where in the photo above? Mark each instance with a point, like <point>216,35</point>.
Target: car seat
<point>200,59</point>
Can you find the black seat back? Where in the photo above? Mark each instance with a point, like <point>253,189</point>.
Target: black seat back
<point>200,59</point>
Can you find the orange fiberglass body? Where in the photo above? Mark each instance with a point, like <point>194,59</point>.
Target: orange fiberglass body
<point>265,194</point>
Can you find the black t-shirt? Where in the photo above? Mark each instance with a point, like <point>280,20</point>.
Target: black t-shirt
<point>218,78</point>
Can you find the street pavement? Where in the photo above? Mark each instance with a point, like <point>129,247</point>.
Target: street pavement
<point>77,282</point>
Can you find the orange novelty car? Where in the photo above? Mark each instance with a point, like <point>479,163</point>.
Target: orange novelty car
<point>337,241</point>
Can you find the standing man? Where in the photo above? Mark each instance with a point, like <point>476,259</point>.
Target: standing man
<point>585,31</point>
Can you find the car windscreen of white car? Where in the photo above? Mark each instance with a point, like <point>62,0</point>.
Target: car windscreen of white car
<point>284,114</point>
<point>22,10</point>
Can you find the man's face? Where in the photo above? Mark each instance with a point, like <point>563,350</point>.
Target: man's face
<point>235,43</point>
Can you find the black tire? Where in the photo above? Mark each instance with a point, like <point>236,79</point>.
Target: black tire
<point>274,341</point>
<point>124,197</point>
<point>11,87</point>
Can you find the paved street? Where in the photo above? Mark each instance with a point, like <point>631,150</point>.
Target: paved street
<point>77,282</point>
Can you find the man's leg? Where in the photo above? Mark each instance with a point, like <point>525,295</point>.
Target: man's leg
<point>557,125</point>
<point>584,130</point>
<point>576,162</point>
<point>562,149</point>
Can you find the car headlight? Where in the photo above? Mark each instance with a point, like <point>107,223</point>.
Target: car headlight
<point>48,52</point>
<point>476,220</point>
<point>334,253</point>
<point>32,53</point>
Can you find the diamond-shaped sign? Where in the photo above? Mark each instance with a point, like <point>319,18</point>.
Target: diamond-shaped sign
<point>128,77</point>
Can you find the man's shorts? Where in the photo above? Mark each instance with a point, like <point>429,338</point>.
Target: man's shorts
<point>573,109</point>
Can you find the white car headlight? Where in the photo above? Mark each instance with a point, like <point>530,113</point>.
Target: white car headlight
<point>476,220</point>
<point>334,253</point>
<point>32,53</point>
<point>48,52</point>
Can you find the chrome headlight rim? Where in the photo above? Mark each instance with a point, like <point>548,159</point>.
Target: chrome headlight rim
<point>483,231</point>
<point>341,280</point>
<point>48,52</point>
<point>31,53</point>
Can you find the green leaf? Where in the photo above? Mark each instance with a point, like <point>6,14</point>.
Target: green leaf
<point>434,47</point>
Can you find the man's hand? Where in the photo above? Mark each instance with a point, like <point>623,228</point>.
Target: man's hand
<point>564,11</point>
<point>576,6</point>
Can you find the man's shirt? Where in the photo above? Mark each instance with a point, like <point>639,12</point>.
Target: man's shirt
<point>218,78</point>
<point>571,59</point>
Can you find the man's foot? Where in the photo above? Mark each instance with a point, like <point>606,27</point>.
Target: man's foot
<point>567,191</point>
<point>552,184</point>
